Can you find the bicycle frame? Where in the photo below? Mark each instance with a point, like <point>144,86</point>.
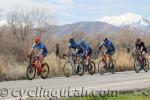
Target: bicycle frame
<point>33,60</point>
<point>39,69</point>
<point>138,55</point>
<point>104,59</point>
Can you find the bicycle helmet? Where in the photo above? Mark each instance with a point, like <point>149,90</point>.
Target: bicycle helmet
<point>138,40</point>
<point>105,38</point>
<point>71,40</point>
<point>37,40</point>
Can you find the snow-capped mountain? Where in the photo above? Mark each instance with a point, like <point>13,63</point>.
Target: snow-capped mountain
<point>128,19</point>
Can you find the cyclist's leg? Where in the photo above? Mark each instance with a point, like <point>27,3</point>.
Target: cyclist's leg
<point>73,53</point>
<point>79,54</point>
<point>38,65</point>
<point>143,54</point>
<point>104,58</point>
<point>42,56</point>
<point>143,57</point>
<point>109,55</point>
<point>79,60</point>
<point>82,56</point>
<point>88,56</point>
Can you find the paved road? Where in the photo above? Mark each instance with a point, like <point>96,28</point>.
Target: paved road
<point>120,81</point>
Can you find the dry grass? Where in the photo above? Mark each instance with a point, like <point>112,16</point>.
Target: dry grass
<point>55,64</point>
<point>10,70</point>
<point>124,61</point>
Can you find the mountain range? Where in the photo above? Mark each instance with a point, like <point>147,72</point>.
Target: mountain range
<point>109,24</point>
<point>86,27</point>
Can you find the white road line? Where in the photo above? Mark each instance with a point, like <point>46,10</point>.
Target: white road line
<point>122,83</point>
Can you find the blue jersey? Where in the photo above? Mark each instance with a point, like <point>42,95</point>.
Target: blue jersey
<point>85,46</point>
<point>39,47</point>
<point>74,45</point>
<point>108,44</point>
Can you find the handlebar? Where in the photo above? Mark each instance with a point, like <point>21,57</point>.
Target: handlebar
<point>136,54</point>
<point>31,58</point>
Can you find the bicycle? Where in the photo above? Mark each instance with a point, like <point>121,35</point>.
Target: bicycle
<point>33,69</point>
<point>72,67</point>
<point>104,66</point>
<point>139,63</point>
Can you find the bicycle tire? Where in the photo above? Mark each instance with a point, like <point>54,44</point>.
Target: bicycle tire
<point>146,68</point>
<point>29,68</point>
<point>91,72</point>
<point>44,76</point>
<point>113,67</point>
<point>137,70</point>
<point>101,69</point>
<point>71,68</point>
<point>80,70</point>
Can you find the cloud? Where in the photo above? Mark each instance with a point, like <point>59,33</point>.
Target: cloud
<point>56,7</point>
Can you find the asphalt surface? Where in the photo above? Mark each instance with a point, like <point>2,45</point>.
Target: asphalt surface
<point>22,89</point>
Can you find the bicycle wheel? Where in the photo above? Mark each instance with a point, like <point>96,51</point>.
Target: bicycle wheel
<point>68,69</point>
<point>101,67</point>
<point>146,65</point>
<point>91,68</point>
<point>31,72</point>
<point>45,71</point>
<point>137,66</point>
<point>79,69</point>
<point>112,67</point>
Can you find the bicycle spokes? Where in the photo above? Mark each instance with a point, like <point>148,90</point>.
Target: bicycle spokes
<point>68,69</point>
<point>31,72</point>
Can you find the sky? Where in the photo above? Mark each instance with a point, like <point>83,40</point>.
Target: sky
<point>70,11</point>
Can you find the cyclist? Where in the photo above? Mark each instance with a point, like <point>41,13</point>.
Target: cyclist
<point>110,49</point>
<point>140,47</point>
<point>87,50</point>
<point>77,50</point>
<point>43,52</point>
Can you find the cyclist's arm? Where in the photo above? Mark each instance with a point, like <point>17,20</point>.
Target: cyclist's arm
<point>133,51</point>
<point>31,51</point>
<point>66,52</point>
<point>69,47</point>
<point>135,47</point>
<point>142,48</point>
<point>100,47</point>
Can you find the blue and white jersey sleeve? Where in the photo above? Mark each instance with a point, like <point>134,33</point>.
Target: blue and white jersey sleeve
<point>69,46</point>
<point>33,46</point>
<point>102,43</point>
